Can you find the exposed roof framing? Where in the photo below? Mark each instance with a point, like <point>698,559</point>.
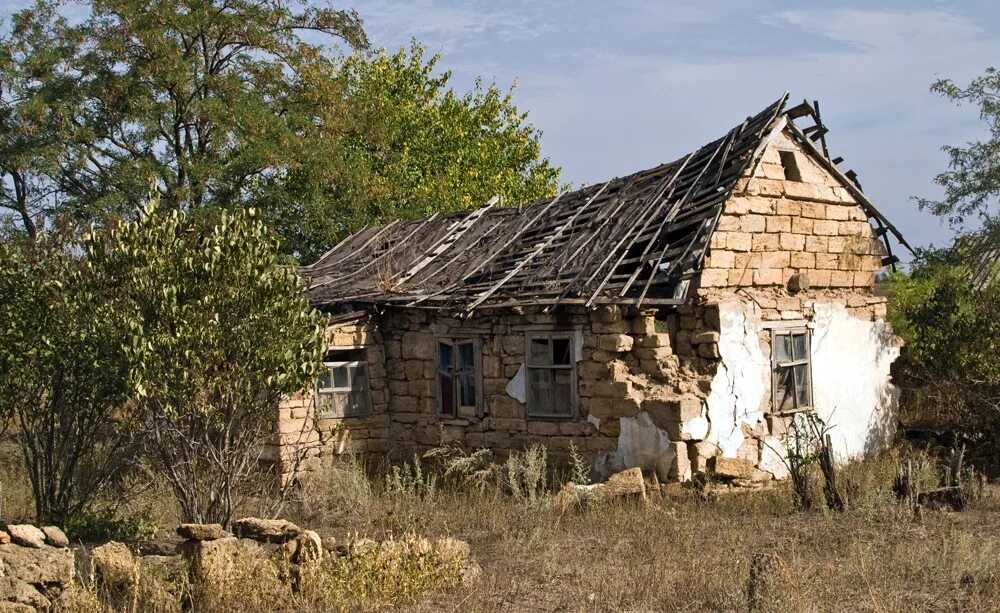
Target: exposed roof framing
<point>633,240</point>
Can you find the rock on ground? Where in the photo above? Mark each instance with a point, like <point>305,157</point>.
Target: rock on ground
<point>201,532</point>
<point>215,562</point>
<point>113,564</point>
<point>267,530</point>
<point>26,535</point>
<point>55,536</point>
<point>36,566</point>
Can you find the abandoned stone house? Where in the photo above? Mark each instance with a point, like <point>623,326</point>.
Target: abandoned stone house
<point>659,320</point>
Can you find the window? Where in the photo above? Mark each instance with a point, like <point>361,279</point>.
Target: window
<point>551,376</point>
<point>342,387</point>
<point>792,376</point>
<point>457,374</point>
<point>790,165</point>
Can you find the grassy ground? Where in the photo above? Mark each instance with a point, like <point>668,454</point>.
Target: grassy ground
<point>683,551</point>
<point>691,553</point>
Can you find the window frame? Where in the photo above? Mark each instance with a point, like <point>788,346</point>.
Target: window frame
<point>333,390</point>
<point>454,341</point>
<point>778,367</point>
<point>550,335</point>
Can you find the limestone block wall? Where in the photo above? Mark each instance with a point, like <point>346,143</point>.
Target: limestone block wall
<point>851,350</point>
<point>792,217</point>
<point>641,382</point>
<point>302,434</point>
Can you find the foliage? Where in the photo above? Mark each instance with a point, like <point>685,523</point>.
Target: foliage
<point>239,104</point>
<point>218,331</point>
<point>950,366</point>
<point>579,469</point>
<point>411,479</point>
<point>525,474</point>
<point>63,374</point>
<point>972,181</point>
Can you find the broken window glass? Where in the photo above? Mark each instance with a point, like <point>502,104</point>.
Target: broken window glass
<point>342,387</point>
<point>456,376</point>
<point>551,376</point>
<point>791,381</point>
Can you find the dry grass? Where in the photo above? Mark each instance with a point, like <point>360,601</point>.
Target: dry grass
<point>685,551</point>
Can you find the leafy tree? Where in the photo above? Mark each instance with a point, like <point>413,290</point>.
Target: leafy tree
<point>203,97</point>
<point>63,375</point>
<point>972,181</point>
<point>230,105</point>
<point>218,330</point>
<point>950,366</point>
<point>412,147</point>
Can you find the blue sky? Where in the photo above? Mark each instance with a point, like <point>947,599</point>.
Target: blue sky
<point>620,86</point>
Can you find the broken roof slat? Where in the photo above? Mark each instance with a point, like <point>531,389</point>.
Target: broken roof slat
<point>635,240</point>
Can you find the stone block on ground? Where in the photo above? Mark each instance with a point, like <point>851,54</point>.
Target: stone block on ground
<point>266,530</point>
<point>113,565</point>
<point>55,536</point>
<point>26,535</point>
<point>624,485</point>
<point>4,538</point>
<point>216,562</point>
<point>201,532</point>
<point>36,566</point>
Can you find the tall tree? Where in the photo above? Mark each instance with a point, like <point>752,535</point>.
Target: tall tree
<point>972,181</point>
<point>239,103</point>
<point>64,374</point>
<point>218,331</point>
<point>414,146</point>
<point>204,97</point>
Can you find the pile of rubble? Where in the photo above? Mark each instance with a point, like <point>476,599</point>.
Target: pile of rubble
<point>36,566</point>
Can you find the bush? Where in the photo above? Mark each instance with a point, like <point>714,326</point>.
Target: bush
<point>950,366</point>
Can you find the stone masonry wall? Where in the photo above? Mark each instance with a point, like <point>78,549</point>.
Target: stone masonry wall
<point>301,434</point>
<point>774,228</point>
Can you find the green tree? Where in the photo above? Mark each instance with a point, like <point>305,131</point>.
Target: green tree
<point>204,97</point>
<point>229,105</point>
<point>218,330</point>
<point>972,181</point>
<point>950,366</point>
<point>413,146</point>
<point>63,375</point>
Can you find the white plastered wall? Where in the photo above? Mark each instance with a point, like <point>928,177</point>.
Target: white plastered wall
<point>852,390</point>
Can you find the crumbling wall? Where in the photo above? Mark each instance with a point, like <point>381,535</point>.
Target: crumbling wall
<point>851,350</point>
<point>642,377</point>
<point>301,435</point>
<point>774,228</point>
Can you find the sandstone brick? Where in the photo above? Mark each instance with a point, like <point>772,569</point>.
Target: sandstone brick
<point>741,276</point>
<point>864,279</point>
<point>752,224</point>
<point>788,207</point>
<point>680,467</point>
<point>799,191</point>
<point>765,242</point>
<point>644,324</point>
<point>780,223</point>
<point>839,212</point>
<point>819,278</point>
<point>718,240</point>
<point>792,242</point>
<point>714,277</point>
<point>768,276</point>
<point>841,278</point>
<point>543,428</point>
<point>762,206</point>
<point>813,210</point>
<point>737,206</point>
<point>617,343</point>
<point>739,241</point>
<point>775,259</point>
<point>768,187</point>
<point>802,259</point>
<point>817,244</point>
<point>826,261</point>
<point>728,223</point>
<point>825,227</point>
<point>801,225</point>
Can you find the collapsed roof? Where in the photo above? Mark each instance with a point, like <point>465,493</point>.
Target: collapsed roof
<point>633,240</point>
